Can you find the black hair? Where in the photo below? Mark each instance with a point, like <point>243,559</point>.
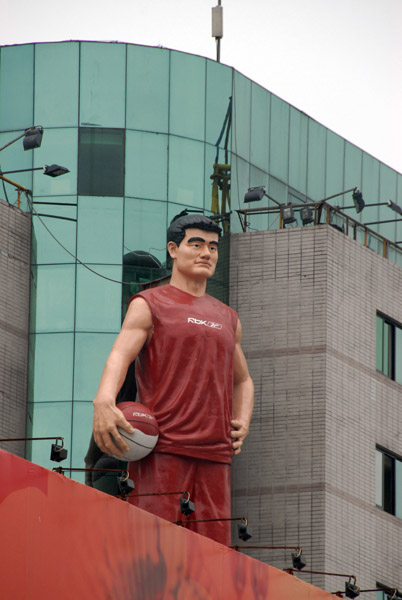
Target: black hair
<point>177,228</point>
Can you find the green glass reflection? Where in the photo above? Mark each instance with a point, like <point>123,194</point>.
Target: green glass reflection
<point>353,167</point>
<point>298,150</point>
<point>279,139</point>
<point>52,375</point>
<point>53,292</point>
<point>82,431</point>
<point>146,165</point>
<point>13,158</point>
<point>46,229</point>
<point>147,88</point>
<point>241,116</point>
<point>398,355</point>
<point>91,352</point>
<point>145,225</point>
<point>16,89</point>
<point>218,92</point>
<point>98,305</point>
<point>186,172</point>
<point>100,229</point>
<point>187,95</point>
<point>102,84</point>
<point>260,125</point>
<point>316,161</point>
<point>379,343</point>
<point>56,84</point>
<point>334,167</point>
<point>59,146</point>
<point>48,419</point>
<point>101,162</point>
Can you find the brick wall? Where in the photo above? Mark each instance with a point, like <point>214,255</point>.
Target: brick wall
<point>15,243</point>
<point>307,299</point>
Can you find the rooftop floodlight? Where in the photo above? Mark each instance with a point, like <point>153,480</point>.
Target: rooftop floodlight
<point>297,559</point>
<point>306,215</point>
<point>352,590</point>
<point>288,214</point>
<point>186,506</point>
<point>58,452</point>
<point>32,138</point>
<point>358,200</point>
<point>254,194</point>
<point>125,484</point>
<point>244,531</point>
<point>395,207</point>
<point>54,170</point>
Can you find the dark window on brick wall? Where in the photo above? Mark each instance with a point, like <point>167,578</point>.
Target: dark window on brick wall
<point>101,157</point>
<point>389,482</point>
<point>389,348</point>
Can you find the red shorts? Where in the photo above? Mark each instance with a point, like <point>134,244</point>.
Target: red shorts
<point>207,482</point>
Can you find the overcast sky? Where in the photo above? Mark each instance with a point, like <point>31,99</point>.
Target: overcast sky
<point>338,61</point>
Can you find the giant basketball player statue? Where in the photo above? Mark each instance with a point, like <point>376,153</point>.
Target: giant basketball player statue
<point>192,373</point>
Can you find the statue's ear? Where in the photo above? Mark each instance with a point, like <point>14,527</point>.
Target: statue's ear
<point>172,249</point>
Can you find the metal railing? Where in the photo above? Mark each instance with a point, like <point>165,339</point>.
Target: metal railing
<point>324,213</point>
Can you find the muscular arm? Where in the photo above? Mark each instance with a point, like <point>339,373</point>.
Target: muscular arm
<point>135,331</point>
<point>243,396</point>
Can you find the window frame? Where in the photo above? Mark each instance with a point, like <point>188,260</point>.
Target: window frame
<point>387,349</point>
<point>388,483</point>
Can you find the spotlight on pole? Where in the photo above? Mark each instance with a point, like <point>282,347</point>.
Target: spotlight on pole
<point>395,207</point>
<point>32,138</point>
<point>186,506</point>
<point>54,170</point>
<point>352,590</point>
<point>306,215</point>
<point>58,452</point>
<point>297,559</point>
<point>288,214</point>
<point>358,200</point>
<point>125,484</point>
<point>244,531</point>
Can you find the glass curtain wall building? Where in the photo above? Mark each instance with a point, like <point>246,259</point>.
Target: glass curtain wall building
<point>137,127</point>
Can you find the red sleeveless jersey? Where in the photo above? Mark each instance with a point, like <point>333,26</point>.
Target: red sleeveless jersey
<point>185,373</point>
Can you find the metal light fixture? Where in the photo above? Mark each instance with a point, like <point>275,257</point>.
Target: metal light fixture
<point>186,506</point>
<point>254,194</point>
<point>288,214</point>
<point>32,138</point>
<point>358,200</point>
<point>297,559</point>
<point>244,531</point>
<point>58,452</point>
<point>306,215</point>
<point>125,484</point>
<point>51,170</point>
<point>352,590</point>
<point>395,207</point>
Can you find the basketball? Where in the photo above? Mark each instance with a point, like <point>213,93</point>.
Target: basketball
<point>146,433</point>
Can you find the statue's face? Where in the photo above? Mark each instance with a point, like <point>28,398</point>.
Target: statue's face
<point>197,255</point>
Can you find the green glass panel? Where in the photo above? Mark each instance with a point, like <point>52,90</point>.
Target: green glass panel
<point>16,89</point>
<point>239,186</point>
<point>91,352</point>
<point>370,188</point>
<point>147,88</point>
<point>59,146</point>
<point>388,191</point>
<point>210,155</point>
<point>53,367</point>
<point>398,488</point>
<point>379,342</point>
<point>398,354</point>
<point>82,430</point>
<point>298,151</point>
<point>279,139</point>
<point>186,172</point>
<point>46,229</point>
<point>14,157</point>
<point>46,419</point>
<point>56,84</point>
<point>187,95</point>
<point>103,84</point>
<point>334,167</point>
<point>398,200</point>
<point>53,288</point>
<point>353,173</point>
<point>218,92</point>
<point>260,124</point>
<point>241,125</point>
<point>145,225</point>
<point>100,230</point>
<point>101,162</point>
<point>316,161</point>
<point>379,479</point>
<point>91,314</point>
<point>146,165</point>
